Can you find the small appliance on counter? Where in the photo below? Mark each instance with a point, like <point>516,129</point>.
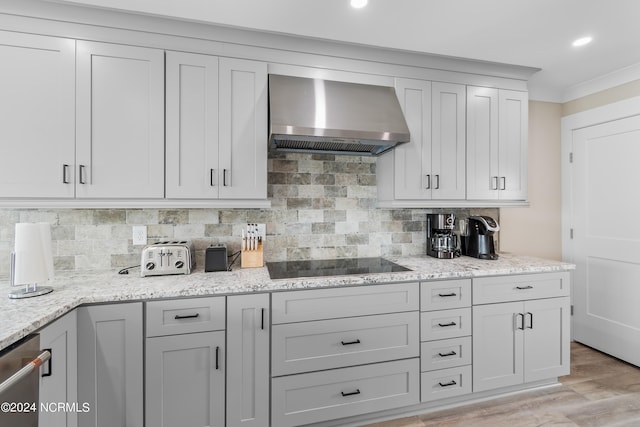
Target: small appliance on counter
<point>167,257</point>
<point>442,242</point>
<point>215,258</point>
<point>477,237</point>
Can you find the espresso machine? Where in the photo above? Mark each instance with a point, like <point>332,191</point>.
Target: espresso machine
<point>442,242</point>
<point>477,237</point>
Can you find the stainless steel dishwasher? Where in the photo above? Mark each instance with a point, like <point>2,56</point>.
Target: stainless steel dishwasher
<point>19,381</point>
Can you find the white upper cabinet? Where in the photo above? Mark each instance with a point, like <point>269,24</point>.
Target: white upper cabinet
<point>412,160</point>
<point>192,126</point>
<point>243,129</point>
<point>37,116</point>
<point>497,126</point>
<point>120,121</point>
<point>432,165</point>
<point>448,144</point>
<point>216,127</point>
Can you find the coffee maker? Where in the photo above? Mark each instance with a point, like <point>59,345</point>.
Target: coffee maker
<point>477,237</point>
<point>441,240</point>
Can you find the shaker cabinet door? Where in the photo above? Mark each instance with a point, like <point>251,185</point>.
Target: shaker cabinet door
<point>185,380</point>
<point>248,331</point>
<point>37,116</point>
<point>482,143</point>
<point>192,126</point>
<point>120,121</point>
<point>412,160</point>
<point>110,365</point>
<point>448,142</point>
<point>242,170</point>
<point>59,378</point>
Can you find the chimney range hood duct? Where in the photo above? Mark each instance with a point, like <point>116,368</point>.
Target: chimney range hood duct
<point>323,116</point>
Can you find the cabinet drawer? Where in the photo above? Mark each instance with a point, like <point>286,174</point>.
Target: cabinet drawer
<point>317,304</point>
<point>445,383</point>
<point>320,396</point>
<point>445,294</point>
<point>336,343</point>
<point>438,325</point>
<point>184,316</point>
<point>487,290</point>
<point>444,354</point>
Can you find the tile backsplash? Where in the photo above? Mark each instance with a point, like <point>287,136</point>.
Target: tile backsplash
<point>322,206</point>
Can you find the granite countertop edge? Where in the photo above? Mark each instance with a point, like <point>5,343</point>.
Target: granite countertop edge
<point>19,318</point>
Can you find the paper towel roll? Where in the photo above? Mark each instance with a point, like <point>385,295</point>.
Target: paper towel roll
<point>33,253</point>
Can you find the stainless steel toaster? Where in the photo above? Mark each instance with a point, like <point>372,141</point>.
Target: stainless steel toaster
<point>167,257</point>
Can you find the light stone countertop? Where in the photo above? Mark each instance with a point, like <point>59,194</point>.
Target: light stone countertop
<point>18,318</point>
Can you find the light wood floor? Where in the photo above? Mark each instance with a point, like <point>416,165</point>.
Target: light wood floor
<point>600,391</point>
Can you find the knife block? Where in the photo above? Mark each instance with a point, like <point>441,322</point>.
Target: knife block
<point>251,259</point>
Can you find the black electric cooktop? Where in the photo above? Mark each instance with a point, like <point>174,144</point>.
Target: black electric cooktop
<point>332,267</point>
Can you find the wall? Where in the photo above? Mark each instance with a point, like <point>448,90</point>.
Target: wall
<point>323,206</point>
<point>604,97</point>
<point>536,230</point>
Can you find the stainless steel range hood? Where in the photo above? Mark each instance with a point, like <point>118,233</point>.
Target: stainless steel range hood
<point>323,116</point>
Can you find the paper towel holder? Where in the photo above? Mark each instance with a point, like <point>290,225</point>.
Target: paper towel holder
<point>31,261</point>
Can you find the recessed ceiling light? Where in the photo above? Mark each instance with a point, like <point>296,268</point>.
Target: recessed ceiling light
<point>582,41</point>
<point>359,4</point>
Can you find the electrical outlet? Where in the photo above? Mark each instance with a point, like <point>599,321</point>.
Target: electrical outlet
<point>139,234</point>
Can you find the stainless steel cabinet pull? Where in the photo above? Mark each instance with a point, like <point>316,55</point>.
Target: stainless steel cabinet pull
<point>65,178</point>
<point>188,316</point>
<point>451,353</point>
<point>521,288</point>
<point>428,182</point>
<point>351,342</point>
<point>530,320</point>
<point>224,177</point>
<point>445,325</point>
<point>25,371</point>
<point>452,294</point>
<point>450,383</point>
<point>437,182</point>
<point>262,320</point>
<point>503,179</point>
<point>81,173</point>
<point>494,179</point>
<point>351,393</point>
<point>217,358</point>
<point>49,370</point>
<point>211,171</point>
<point>521,327</point>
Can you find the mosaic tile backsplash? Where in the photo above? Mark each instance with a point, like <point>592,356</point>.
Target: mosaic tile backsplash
<point>322,206</point>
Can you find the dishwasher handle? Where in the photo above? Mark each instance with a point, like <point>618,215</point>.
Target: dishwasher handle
<point>25,371</point>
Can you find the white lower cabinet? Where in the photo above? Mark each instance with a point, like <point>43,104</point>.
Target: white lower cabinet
<point>445,351</point>
<point>343,352</point>
<point>59,377</point>
<point>445,383</point>
<point>185,370</point>
<point>110,365</point>
<point>520,342</point>
<point>326,395</point>
<point>185,380</point>
<point>248,360</point>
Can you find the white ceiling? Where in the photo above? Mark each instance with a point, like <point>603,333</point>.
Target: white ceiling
<point>536,33</point>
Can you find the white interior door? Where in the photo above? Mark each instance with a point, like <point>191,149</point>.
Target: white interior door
<point>605,208</point>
